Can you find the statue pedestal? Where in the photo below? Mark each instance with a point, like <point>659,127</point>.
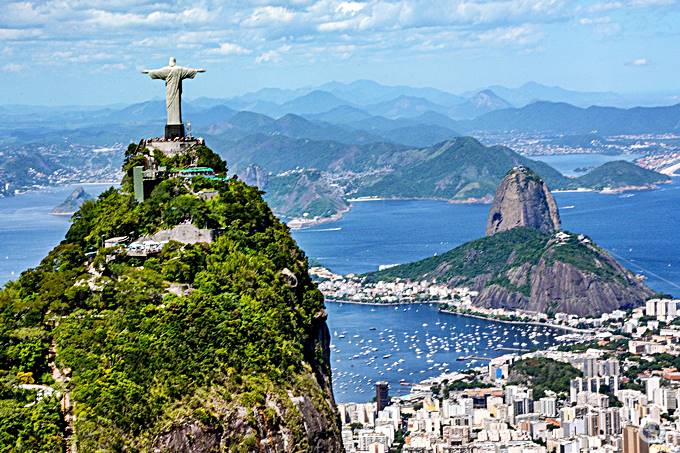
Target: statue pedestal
<point>173,131</point>
<point>172,147</point>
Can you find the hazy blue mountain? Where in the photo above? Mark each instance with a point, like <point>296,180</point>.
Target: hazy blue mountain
<point>145,112</point>
<point>436,119</point>
<point>297,126</point>
<point>533,92</point>
<point>258,106</point>
<point>562,118</point>
<point>420,135</point>
<point>243,124</point>
<point>341,115</point>
<point>204,102</point>
<point>380,124</point>
<point>365,92</point>
<point>315,102</point>
<point>278,153</point>
<point>201,120</point>
<point>272,95</point>
<point>251,121</point>
<point>404,107</point>
<point>482,102</point>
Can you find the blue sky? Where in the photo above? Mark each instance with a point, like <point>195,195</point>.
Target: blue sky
<point>91,51</point>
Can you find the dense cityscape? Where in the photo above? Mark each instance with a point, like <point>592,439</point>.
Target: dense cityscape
<point>617,392</point>
<point>330,226</point>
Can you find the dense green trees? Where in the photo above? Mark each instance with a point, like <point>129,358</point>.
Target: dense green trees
<point>543,374</point>
<point>136,349</point>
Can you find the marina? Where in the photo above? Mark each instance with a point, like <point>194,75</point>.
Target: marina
<point>416,342</point>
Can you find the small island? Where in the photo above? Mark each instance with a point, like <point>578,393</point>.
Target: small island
<point>72,203</point>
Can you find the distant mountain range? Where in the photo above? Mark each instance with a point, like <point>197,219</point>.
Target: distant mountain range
<point>370,139</point>
<point>356,112</point>
<point>562,118</point>
<point>461,169</point>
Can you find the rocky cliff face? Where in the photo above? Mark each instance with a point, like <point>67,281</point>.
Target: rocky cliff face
<point>523,200</point>
<point>254,175</point>
<point>523,268</point>
<point>585,281</point>
<point>303,418</point>
<point>72,203</point>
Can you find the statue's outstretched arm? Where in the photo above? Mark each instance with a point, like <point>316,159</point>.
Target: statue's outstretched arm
<point>156,73</point>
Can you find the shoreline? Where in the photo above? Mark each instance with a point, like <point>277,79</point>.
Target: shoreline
<point>468,315</point>
<point>532,323</point>
<point>62,186</point>
<point>300,224</point>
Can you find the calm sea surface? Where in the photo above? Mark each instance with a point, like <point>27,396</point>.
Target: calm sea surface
<point>27,229</point>
<point>384,343</point>
<point>569,163</point>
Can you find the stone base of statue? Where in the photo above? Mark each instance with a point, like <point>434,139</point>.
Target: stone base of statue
<point>173,131</point>
<point>172,147</point>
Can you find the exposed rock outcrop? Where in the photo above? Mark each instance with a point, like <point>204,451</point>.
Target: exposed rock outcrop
<point>185,233</point>
<point>254,175</point>
<point>589,285</point>
<point>523,200</point>
<point>301,418</point>
<point>72,203</point>
<point>525,269</point>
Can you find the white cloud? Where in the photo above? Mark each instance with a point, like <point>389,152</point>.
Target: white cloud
<point>272,56</point>
<point>14,67</point>
<point>268,57</point>
<point>110,19</point>
<point>521,35</point>
<point>268,15</point>
<point>229,48</point>
<point>101,32</point>
<point>638,62</point>
<point>605,6</point>
<point>604,26</point>
<point>18,34</point>
<point>648,3</point>
<point>111,67</point>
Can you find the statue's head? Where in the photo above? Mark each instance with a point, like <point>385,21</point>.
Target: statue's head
<point>172,62</point>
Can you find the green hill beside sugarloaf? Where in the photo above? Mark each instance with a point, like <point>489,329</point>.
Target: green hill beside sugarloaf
<point>218,345</point>
<point>523,268</point>
<point>464,169</point>
<point>617,175</point>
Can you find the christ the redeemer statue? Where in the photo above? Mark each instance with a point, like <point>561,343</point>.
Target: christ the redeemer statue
<point>173,76</point>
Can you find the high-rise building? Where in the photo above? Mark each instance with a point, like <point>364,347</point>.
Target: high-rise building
<point>632,443</point>
<point>609,422</point>
<point>653,385</point>
<point>382,395</point>
<point>547,406</point>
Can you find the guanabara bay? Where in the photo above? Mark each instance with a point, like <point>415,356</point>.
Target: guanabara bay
<point>331,226</point>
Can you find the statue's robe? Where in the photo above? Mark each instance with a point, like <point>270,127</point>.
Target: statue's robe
<point>173,76</point>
